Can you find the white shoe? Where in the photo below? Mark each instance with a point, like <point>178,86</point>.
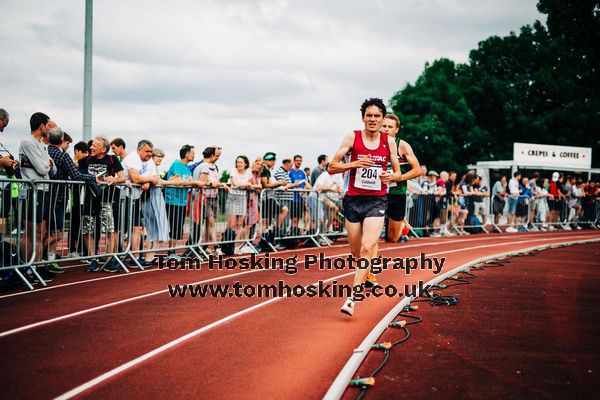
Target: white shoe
<point>245,249</point>
<point>511,229</point>
<point>348,307</point>
<point>218,252</point>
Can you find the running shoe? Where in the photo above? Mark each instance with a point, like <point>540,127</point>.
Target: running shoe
<point>371,281</point>
<point>348,307</point>
<point>55,269</point>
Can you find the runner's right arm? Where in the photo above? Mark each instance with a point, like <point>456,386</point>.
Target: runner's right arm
<point>336,166</point>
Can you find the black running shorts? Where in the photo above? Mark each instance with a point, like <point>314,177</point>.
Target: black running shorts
<point>357,208</point>
<point>396,206</point>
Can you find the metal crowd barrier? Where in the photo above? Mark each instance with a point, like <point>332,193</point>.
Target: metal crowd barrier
<point>18,233</point>
<point>427,214</point>
<point>290,216</point>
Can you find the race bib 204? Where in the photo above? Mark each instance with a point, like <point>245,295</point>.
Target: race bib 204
<point>368,178</point>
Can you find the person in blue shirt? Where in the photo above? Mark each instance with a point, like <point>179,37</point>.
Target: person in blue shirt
<point>523,200</point>
<point>298,206</point>
<point>176,198</point>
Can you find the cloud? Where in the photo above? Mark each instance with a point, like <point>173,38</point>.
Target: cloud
<point>252,76</point>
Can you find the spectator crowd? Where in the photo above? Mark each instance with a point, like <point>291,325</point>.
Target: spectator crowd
<point>126,194</point>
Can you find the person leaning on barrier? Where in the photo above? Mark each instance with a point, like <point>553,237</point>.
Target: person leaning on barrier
<point>298,206</point>
<point>542,203</point>
<point>499,199</point>
<point>176,198</point>
<point>270,207</point>
<point>117,146</point>
<point>432,193</point>
<point>208,172</point>
<point>65,170</point>
<point>285,198</point>
<point>523,202</point>
<point>98,208</point>
<point>36,164</point>
<point>253,200</point>
<point>236,208</point>
<point>135,167</point>
<point>8,170</point>
<point>513,191</point>
<point>154,207</point>
<point>318,170</point>
<point>481,190</point>
<point>325,205</point>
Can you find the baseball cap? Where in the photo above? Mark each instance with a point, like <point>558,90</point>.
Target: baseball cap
<point>269,156</point>
<point>555,176</point>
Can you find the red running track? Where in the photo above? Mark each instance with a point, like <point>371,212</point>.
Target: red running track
<point>123,336</point>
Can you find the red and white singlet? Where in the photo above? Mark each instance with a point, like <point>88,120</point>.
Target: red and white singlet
<point>366,181</point>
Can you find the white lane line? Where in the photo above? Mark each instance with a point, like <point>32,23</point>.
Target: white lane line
<point>140,297</point>
<point>117,276</point>
<point>124,367</point>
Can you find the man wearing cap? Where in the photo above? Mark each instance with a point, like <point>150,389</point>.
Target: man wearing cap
<point>270,207</point>
<point>365,202</point>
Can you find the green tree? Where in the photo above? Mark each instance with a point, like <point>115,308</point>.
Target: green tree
<point>539,86</point>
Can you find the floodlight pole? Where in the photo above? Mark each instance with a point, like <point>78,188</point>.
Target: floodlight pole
<point>87,72</point>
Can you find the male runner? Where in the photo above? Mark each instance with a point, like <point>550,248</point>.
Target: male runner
<point>365,202</point>
<point>410,168</point>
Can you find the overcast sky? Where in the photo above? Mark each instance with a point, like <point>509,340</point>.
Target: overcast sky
<point>250,76</point>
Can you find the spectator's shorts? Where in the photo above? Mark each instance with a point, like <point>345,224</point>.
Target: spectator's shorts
<point>522,209</point>
<point>106,218</point>
<point>512,205</point>
<point>396,208</point>
<point>357,208</point>
<point>270,208</point>
<point>57,216</point>
<point>297,208</point>
<point>316,209</point>
<point>176,217</point>
<point>135,219</point>
<point>498,205</point>
<point>211,207</point>
<point>554,204</point>
<point>42,207</point>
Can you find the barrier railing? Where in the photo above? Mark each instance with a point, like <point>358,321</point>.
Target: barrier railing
<point>47,223</point>
<point>19,237</point>
<point>290,216</point>
<point>427,214</point>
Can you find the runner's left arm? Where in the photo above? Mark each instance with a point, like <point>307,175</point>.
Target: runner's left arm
<point>406,150</point>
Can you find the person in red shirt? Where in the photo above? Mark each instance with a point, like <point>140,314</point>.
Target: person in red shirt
<point>365,202</point>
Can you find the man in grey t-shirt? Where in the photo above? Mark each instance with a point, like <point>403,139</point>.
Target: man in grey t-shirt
<point>36,163</point>
<point>318,170</point>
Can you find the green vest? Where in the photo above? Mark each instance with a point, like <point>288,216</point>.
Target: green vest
<point>400,187</point>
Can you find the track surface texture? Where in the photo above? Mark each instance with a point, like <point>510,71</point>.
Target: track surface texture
<point>94,335</point>
<point>526,330</point>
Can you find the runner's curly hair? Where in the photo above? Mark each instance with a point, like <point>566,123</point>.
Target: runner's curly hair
<point>373,101</point>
